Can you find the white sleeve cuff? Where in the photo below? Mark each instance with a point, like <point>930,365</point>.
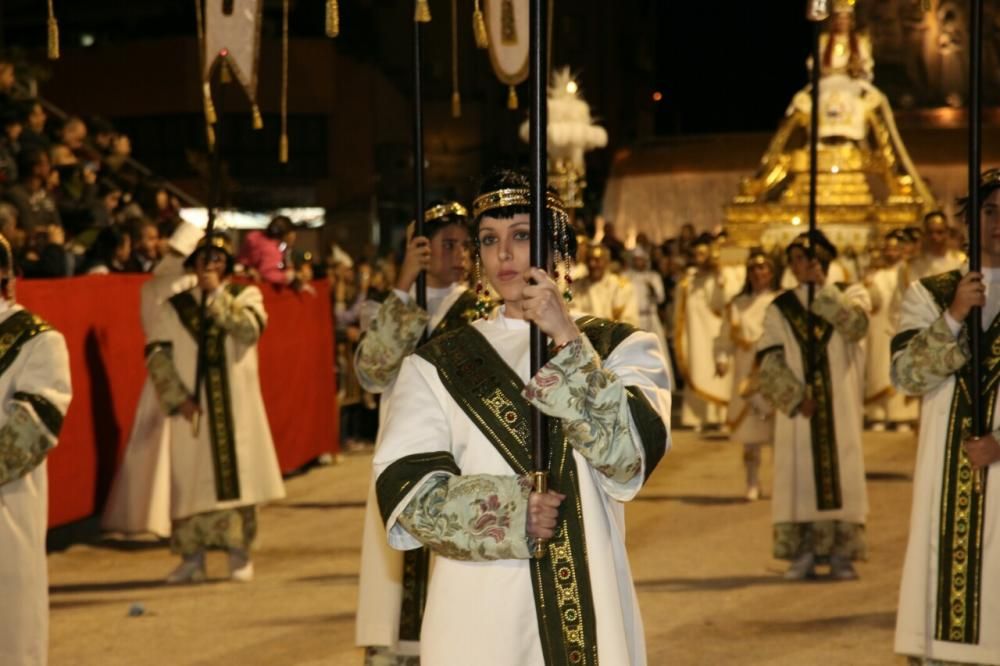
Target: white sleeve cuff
<point>402,295</point>
<point>954,326</point>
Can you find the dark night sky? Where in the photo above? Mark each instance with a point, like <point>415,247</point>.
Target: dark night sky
<point>722,66</point>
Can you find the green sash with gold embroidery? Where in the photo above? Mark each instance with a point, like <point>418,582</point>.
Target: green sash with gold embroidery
<point>826,465</point>
<point>489,392</point>
<point>963,507</point>
<point>461,312</point>
<point>217,394</point>
<point>15,331</point>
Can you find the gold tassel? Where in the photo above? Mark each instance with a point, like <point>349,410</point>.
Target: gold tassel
<point>53,34</point>
<point>512,99</point>
<point>422,13</point>
<point>456,105</point>
<point>210,116</point>
<point>479,28</point>
<point>332,18</point>
<point>210,135</point>
<point>258,122</point>
<point>283,149</point>
<point>225,76</point>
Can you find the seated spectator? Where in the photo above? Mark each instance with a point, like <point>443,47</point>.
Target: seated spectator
<point>146,247</point>
<point>76,193</point>
<point>34,136</point>
<point>109,253</point>
<point>35,206</point>
<point>44,254</point>
<point>263,252</point>
<point>73,135</point>
<point>7,80</point>
<point>107,204</point>
<point>12,120</point>
<point>9,230</point>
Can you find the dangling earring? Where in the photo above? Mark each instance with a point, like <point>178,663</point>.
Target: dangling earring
<point>483,304</point>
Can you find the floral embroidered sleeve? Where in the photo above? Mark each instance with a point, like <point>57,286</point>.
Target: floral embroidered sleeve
<point>849,318</point>
<point>477,518</point>
<point>778,384</point>
<point>241,316</point>
<point>169,386</point>
<point>593,405</point>
<point>23,444</point>
<point>928,358</point>
<point>393,335</point>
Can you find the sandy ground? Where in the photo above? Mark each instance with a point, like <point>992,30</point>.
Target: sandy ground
<point>709,590</point>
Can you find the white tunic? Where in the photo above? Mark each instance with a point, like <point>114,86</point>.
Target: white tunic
<point>649,295</point>
<point>612,297</point>
<point>42,368</point>
<point>380,580</point>
<point>794,498</point>
<point>916,617</point>
<point>139,501</point>
<point>192,485</point>
<point>484,612</point>
<point>699,302</point>
<point>752,422</point>
<point>882,401</point>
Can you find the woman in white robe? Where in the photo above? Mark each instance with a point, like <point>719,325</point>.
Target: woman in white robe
<point>820,502</point>
<point>751,418</point>
<point>226,466</point>
<point>949,600</point>
<point>35,393</point>
<point>452,466</point>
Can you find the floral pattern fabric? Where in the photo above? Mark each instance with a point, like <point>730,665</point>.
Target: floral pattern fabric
<point>237,315</point>
<point>848,318</point>
<point>228,529</point>
<point>479,517</point>
<point>593,405</point>
<point>821,538</point>
<point>929,358</point>
<point>168,384</point>
<point>24,444</point>
<point>778,384</point>
<point>394,334</point>
<point>383,656</point>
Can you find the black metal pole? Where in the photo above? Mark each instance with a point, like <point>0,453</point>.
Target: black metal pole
<point>418,151</point>
<point>214,192</point>
<point>538,124</point>
<point>975,327</point>
<point>813,178</point>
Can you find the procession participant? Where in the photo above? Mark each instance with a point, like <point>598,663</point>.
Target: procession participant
<point>223,468</point>
<point>602,293</point>
<point>751,419</point>
<point>35,390</point>
<point>647,286</point>
<point>387,623</point>
<point>452,467</point>
<point>936,256</point>
<point>949,600</point>
<point>820,502</point>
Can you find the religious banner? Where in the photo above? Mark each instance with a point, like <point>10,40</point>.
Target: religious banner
<point>232,41</point>
<point>508,32</point>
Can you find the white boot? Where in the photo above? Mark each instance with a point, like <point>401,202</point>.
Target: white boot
<point>751,460</point>
<point>802,568</point>
<point>190,570</point>
<point>240,566</point>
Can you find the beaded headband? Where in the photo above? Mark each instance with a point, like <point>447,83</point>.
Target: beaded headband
<point>484,203</point>
<point>445,210</point>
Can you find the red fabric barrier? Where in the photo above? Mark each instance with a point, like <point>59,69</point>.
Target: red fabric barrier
<point>99,316</point>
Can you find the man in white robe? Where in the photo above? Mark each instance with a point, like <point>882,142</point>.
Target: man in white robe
<point>820,502</point>
<point>222,458</point>
<point>602,293</point>
<point>884,406</point>
<point>700,299</point>
<point>647,285</point>
<point>937,255</point>
<point>35,392</point>
<point>949,601</point>
<point>387,621</point>
<point>139,501</point>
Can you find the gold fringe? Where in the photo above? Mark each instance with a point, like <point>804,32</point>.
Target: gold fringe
<point>479,28</point>
<point>258,122</point>
<point>225,76</point>
<point>210,115</point>
<point>456,105</point>
<point>422,13</point>
<point>512,98</point>
<point>53,34</point>
<point>332,18</point>
<point>283,149</point>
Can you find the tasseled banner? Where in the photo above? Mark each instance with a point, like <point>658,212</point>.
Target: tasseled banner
<point>456,105</point>
<point>210,116</point>
<point>479,27</point>
<point>225,76</point>
<point>258,122</point>
<point>512,98</point>
<point>283,148</point>
<point>332,18</point>
<point>422,13</point>
<point>53,34</point>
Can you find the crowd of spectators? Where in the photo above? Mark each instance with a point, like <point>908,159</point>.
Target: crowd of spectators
<point>71,202</point>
